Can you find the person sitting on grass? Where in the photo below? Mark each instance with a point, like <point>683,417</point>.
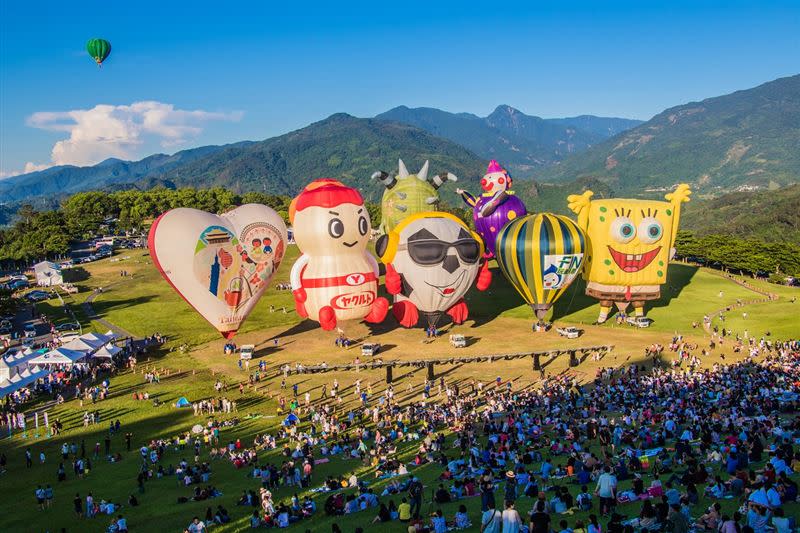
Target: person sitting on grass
<point>383,514</point>
<point>461,520</point>
<point>196,526</point>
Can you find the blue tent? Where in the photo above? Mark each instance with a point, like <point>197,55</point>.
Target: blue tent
<point>183,402</point>
<point>291,420</point>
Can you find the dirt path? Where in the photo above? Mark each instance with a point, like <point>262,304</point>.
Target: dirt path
<point>89,310</point>
<point>769,297</point>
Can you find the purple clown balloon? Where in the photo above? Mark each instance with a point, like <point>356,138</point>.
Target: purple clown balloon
<point>495,207</point>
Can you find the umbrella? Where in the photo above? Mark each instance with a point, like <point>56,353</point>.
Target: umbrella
<point>197,428</point>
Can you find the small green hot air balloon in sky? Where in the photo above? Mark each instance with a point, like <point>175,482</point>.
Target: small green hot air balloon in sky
<point>98,49</point>
<point>541,255</point>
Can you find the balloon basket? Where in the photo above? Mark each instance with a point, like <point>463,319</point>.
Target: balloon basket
<point>541,327</point>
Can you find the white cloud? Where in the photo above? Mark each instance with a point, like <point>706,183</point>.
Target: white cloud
<point>29,167</point>
<point>118,131</point>
<point>33,167</point>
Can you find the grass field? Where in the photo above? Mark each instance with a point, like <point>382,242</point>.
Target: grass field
<point>143,303</point>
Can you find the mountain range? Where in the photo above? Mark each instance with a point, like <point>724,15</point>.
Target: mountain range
<point>746,140</point>
<point>520,141</point>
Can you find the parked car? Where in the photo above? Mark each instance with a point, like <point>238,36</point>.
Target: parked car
<point>638,321</point>
<point>38,296</point>
<point>370,349</point>
<point>68,326</point>
<point>246,351</point>
<point>6,327</point>
<point>569,332</point>
<point>30,331</point>
<point>18,284</point>
<point>457,340</point>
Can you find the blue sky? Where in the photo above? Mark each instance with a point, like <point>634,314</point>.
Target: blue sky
<point>252,70</point>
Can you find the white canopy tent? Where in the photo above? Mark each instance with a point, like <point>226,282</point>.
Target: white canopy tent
<point>107,351</point>
<point>82,344</point>
<point>94,338</point>
<point>20,380</point>
<point>59,356</point>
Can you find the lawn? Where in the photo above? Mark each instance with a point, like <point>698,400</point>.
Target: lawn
<point>143,303</point>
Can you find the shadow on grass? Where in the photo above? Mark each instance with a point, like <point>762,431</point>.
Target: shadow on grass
<point>575,299</point>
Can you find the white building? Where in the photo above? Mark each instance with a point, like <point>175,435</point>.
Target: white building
<point>48,274</point>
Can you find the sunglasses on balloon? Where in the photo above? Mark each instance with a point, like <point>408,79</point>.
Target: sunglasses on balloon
<point>433,251</point>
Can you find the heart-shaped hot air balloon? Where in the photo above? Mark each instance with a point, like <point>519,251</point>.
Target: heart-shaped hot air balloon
<point>219,264</point>
<point>540,255</point>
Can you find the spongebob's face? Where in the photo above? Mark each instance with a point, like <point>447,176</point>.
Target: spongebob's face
<point>630,242</point>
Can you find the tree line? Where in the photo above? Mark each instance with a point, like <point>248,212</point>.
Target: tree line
<point>773,259</point>
<point>48,234</point>
<point>40,235</point>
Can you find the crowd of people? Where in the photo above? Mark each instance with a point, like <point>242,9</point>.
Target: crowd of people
<point>671,435</point>
<point>636,448</point>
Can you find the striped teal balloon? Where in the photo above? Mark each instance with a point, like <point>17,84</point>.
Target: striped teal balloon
<point>541,255</point>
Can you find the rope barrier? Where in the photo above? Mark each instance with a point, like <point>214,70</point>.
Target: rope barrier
<point>448,360</point>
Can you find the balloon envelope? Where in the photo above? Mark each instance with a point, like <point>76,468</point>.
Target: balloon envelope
<point>336,275</point>
<point>541,255</point>
<point>488,226</point>
<point>438,258</point>
<point>98,49</point>
<point>220,264</point>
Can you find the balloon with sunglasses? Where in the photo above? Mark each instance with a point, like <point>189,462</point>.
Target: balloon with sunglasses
<point>432,259</point>
<point>541,255</point>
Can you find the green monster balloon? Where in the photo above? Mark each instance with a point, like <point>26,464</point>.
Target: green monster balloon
<point>98,49</point>
<point>408,194</point>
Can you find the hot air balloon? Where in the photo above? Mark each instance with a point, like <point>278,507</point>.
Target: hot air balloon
<point>541,255</point>
<point>220,264</point>
<point>496,206</point>
<point>631,243</point>
<point>432,259</point>
<point>98,49</point>
<point>336,278</point>
<point>407,194</point>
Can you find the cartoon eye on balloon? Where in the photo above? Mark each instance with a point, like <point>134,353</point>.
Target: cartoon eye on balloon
<point>622,229</point>
<point>650,230</point>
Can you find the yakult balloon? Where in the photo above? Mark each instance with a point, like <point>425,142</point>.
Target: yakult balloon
<point>219,264</point>
<point>335,279</point>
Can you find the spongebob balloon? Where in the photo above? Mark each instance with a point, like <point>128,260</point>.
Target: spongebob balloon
<point>407,194</point>
<point>336,278</point>
<point>630,245</point>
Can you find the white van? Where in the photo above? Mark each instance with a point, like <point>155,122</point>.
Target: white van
<point>246,351</point>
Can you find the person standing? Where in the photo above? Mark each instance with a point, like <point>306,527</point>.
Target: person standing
<point>512,522</point>
<point>415,495</point>
<point>539,519</point>
<point>487,493</point>
<point>491,520</point>
<point>40,499</point>
<point>607,490</point>
<point>48,495</point>
<point>78,503</point>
